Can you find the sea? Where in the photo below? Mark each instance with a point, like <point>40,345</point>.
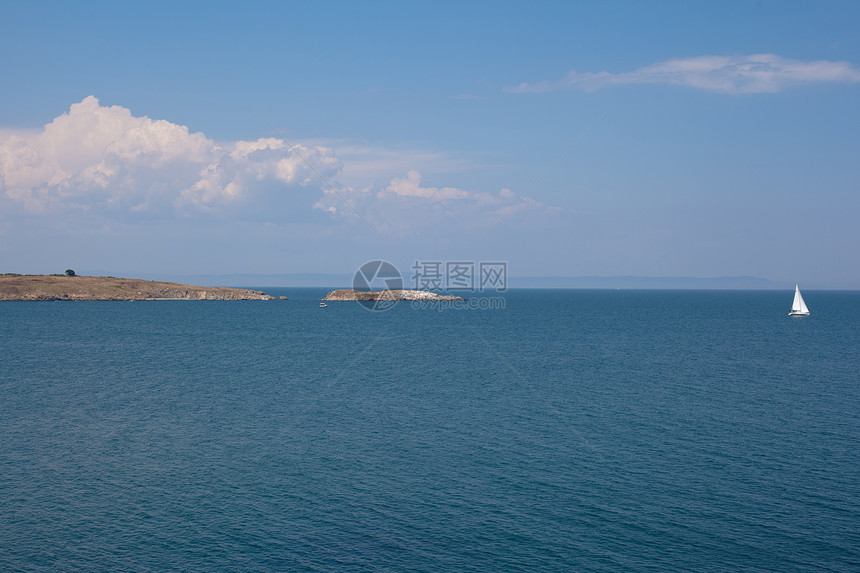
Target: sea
<point>557,430</point>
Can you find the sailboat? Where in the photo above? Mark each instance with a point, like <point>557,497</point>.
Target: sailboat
<point>798,307</point>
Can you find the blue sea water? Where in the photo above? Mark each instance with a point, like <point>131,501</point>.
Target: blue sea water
<point>571,430</point>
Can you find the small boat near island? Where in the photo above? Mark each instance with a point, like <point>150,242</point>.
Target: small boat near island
<point>798,307</point>
<point>323,305</point>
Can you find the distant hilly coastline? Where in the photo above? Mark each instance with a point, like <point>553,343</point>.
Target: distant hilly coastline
<point>635,282</point>
<point>15,287</point>
<point>581,282</point>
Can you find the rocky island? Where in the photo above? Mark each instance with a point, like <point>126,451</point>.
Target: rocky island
<point>61,287</point>
<point>396,294</point>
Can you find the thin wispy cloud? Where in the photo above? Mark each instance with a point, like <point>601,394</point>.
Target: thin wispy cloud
<point>757,73</point>
<point>406,206</point>
<point>365,165</point>
<point>410,186</point>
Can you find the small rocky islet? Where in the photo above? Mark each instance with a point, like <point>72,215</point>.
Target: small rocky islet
<point>388,295</point>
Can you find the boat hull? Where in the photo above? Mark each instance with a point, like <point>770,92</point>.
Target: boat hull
<point>798,306</point>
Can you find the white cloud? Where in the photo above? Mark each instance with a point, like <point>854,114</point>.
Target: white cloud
<point>757,73</point>
<point>365,165</point>
<point>404,207</point>
<point>410,186</point>
<point>96,157</point>
<point>104,162</point>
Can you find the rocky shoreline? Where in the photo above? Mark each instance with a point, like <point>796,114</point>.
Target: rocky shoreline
<point>410,295</point>
<point>84,288</point>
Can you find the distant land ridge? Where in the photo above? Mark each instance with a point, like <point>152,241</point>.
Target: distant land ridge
<point>60,287</point>
<point>644,282</point>
<point>586,282</point>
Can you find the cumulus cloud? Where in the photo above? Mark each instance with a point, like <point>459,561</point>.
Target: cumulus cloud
<point>97,157</point>
<point>757,73</point>
<point>106,163</point>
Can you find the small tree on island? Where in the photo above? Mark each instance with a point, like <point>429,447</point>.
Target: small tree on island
<point>70,273</point>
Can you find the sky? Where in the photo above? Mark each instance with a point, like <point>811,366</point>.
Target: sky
<point>689,139</point>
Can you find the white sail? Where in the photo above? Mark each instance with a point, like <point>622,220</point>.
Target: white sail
<point>798,307</point>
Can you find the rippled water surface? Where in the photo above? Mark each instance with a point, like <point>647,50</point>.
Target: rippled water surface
<point>571,430</point>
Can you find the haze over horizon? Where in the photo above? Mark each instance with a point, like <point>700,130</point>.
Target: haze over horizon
<point>653,140</point>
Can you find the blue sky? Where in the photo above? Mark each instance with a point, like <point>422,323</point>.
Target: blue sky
<point>654,139</point>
